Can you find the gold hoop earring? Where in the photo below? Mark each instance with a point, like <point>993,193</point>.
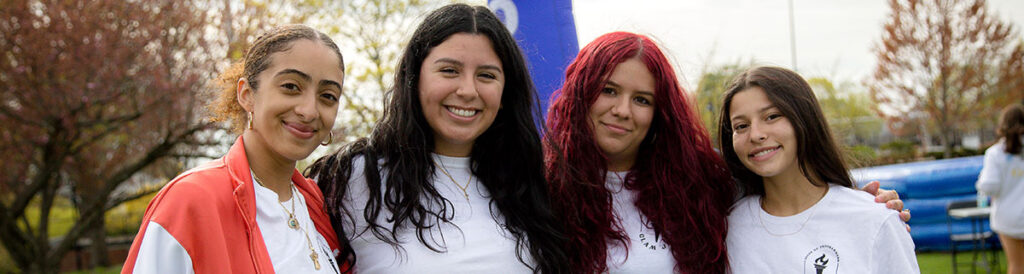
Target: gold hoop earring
<point>330,138</point>
<point>250,119</point>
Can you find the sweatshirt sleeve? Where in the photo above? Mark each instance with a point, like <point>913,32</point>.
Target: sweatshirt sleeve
<point>893,249</point>
<point>990,178</point>
<point>160,252</point>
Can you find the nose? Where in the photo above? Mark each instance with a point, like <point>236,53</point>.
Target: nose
<point>621,107</point>
<point>467,88</point>
<point>307,108</point>
<point>756,134</point>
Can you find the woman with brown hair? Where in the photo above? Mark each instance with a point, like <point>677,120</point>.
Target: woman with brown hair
<point>1002,178</point>
<point>251,211</point>
<point>801,212</point>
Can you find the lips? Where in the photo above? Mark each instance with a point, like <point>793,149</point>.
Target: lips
<point>462,111</point>
<point>300,130</point>
<point>763,153</point>
<point>615,128</point>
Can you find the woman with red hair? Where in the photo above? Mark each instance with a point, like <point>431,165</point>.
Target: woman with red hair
<point>631,168</point>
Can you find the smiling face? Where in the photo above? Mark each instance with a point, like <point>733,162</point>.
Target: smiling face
<point>296,99</point>
<point>460,85</point>
<point>622,113</point>
<point>763,139</point>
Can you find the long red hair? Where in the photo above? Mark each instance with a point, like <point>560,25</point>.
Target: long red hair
<point>684,188</point>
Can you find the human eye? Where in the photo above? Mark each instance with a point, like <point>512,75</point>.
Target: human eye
<point>608,90</point>
<point>773,116</point>
<point>739,127</point>
<point>328,95</point>
<point>290,87</point>
<point>449,71</point>
<point>488,75</point>
<point>642,100</point>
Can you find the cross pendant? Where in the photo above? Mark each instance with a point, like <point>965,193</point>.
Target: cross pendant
<point>316,262</point>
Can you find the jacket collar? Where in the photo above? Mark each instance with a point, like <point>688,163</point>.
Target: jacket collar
<point>237,164</point>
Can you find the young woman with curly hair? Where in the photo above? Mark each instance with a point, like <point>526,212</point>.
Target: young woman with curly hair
<point>251,211</point>
<point>631,167</point>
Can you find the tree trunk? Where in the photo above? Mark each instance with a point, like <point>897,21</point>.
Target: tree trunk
<point>947,145</point>
<point>98,253</point>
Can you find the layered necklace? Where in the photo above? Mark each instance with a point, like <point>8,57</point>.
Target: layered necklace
<point>293,223</point>
<point>444,170</point>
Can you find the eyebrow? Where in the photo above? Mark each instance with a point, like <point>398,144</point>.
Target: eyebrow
<point>458,63</point>
<point>643,92</point>
<point>295,71</point>
<point>758,111</point>
<point>306,77</point>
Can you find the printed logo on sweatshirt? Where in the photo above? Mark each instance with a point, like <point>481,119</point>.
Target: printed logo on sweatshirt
<point>822,259</point>
<point>652,243</point>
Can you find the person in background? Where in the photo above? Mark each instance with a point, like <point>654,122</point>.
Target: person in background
<point>1002,178</point>
<point>251,211</point>
<point>451,180</point>
<point>801,212</point>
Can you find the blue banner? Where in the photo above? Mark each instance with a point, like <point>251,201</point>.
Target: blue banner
<point>546,32</point>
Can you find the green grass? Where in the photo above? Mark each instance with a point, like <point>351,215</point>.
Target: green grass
<point>940,262</point>
<point>99,270</point>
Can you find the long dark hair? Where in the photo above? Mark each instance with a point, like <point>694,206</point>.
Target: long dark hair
<point>507,158</point>
<point>820,158</point>
<point>1011,127</point>
<point>683,188</point>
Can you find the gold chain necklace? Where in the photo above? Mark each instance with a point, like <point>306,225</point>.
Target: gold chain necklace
<point>294,223</point>
<point>463,188</point>
<point>766,229</point>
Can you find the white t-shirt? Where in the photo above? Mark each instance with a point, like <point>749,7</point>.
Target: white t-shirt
<point>474,242</point>
<point>647,252</point>
<point>289,252</point>
<point>1002,178</point>
<point>844,232</point>
<point>288,248</point>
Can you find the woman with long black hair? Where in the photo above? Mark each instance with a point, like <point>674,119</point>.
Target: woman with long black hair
<point>452,177</point>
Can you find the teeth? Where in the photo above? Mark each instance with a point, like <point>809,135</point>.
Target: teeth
<point>462,112</point>
<point>762,153</point>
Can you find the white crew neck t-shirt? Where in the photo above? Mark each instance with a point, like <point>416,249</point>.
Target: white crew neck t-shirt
<point>844,232</point>
<point>647,252</point>
<point>474,242</point>
<point>289,251</point>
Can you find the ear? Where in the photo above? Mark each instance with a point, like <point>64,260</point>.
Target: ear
<point>245,95</point>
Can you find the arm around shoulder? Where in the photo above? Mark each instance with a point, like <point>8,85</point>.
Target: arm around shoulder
<point>893,249</point>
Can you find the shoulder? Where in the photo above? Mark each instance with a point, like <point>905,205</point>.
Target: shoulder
<point>857,206</point>
<point>998,148</point>
<point>743,207</point>
<point>194,191</point>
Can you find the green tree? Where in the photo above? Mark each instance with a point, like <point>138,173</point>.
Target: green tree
<point>372,35</point>
<point>943,62</point>
<point>94,96</point>
<point>712,84</point>
<point>847,110</point>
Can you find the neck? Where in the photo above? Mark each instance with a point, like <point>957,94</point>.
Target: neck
<point>452,150</point>
<point>273,170</point>
<point>790,195</point>
<point>621,163</point>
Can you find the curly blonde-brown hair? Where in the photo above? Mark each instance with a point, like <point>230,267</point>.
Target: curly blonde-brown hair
<point>225,107</point>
